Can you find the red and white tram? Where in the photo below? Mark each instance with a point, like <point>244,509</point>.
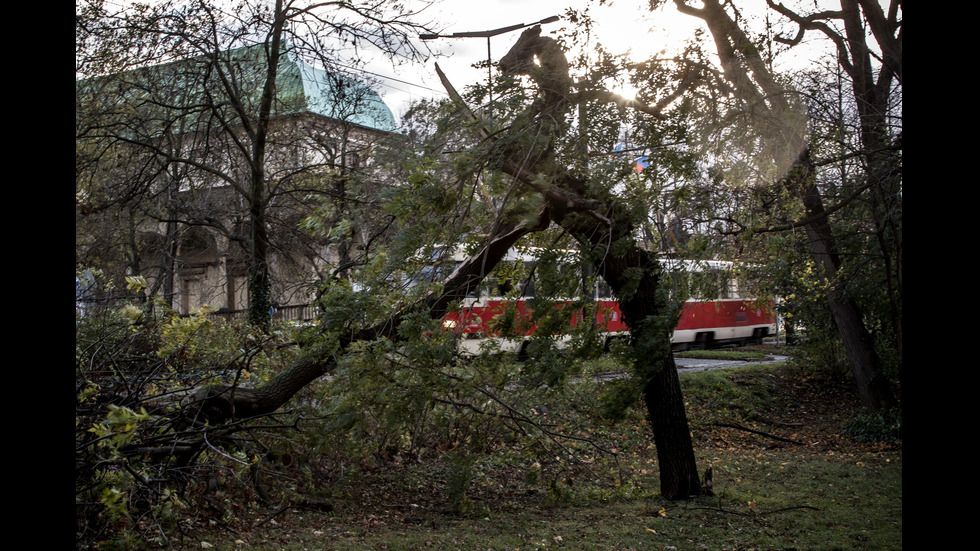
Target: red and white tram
<point>725,319</point>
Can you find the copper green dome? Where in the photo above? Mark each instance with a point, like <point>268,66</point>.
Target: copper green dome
<point>192,90</point>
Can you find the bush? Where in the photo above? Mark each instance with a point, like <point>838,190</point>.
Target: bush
<point>135,472</point>
<point>877,426</point>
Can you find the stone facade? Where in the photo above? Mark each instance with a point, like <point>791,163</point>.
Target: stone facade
<point>188,231</point>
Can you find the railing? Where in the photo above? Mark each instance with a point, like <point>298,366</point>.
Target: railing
<point>296,312</point>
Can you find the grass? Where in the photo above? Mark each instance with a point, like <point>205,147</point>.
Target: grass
<point>777,501</point>
<point>825,491</point>
<point>722,354</point>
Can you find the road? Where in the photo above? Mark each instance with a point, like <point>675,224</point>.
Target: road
<point>694,365</point>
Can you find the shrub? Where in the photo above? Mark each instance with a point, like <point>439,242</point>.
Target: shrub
<point>877,426</point>
<point>134,472</point>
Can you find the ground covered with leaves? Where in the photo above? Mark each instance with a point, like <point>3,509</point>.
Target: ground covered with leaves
<point>786,473</point>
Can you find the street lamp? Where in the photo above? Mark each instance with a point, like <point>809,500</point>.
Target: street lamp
<point>487,35</point>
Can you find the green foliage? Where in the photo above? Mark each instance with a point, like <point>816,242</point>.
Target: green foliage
<point>186,336</point>
<point>651,345</point>
<point>877,426</point>
<point>721,398</point>
<point>422,190</point>
<point>618,396</point>
<point>389,400</point>
<point>803,305</point>
<point>130,482</point>
<point>460,476</point>
<point>118,428</point>
<point>819,349</point>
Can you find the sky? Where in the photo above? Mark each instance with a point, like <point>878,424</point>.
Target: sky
<point>625,26</point>
<point>621,27</point>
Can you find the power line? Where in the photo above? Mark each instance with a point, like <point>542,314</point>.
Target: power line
<point>443,92</point>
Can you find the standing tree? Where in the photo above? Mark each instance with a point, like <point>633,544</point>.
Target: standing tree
<point>212,99</point>
<point>531,150</point>
<point>873,115</point>
<point>775,125</point>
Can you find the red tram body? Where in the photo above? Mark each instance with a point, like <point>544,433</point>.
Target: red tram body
<point>704,323</point>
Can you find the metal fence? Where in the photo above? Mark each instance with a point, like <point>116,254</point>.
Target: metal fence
<point>296,312</point>
<point>95,305</point>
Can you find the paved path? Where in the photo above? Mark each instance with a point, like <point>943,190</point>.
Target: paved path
<point>693,365</point>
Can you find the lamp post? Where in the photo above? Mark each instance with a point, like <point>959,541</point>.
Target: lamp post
<point>488,35</point>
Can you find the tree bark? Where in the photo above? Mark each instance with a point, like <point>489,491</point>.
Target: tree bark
<point>260,281</point>
<point>596,220</point>
<point>874,390</point>
<point>672,435</point>
<point>651,320</point>
<point>882,165</point>
<point>755,86</point>
<point>220,404</point>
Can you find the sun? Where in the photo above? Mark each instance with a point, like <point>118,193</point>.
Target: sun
<point>624,89</point>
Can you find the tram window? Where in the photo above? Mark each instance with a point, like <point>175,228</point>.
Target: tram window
<point>527,287</point>
<point>526,279</point>
<point>505,278</point>
<point>426,274</point>
<point>722,282</point>
<point>434,274</point>
<point>732,290</point>
<point>711,284</point>
<point>676,281</point>
<point>603,289</point>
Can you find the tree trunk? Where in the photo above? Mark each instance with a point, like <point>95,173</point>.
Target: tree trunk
<point>170,262</point>
<point>752,82</point>
<point>873,388</point>
<point>668,419</point>
<point>652,319</point>
<point>596,220</point>
<point>882,165</point>
<point>260,282</point>
<point>220,404</point>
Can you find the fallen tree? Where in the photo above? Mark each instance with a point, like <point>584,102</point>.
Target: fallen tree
<point>212,415</point>
<point>598,221</point>
<point>220,404</point>
<point>605,230</point>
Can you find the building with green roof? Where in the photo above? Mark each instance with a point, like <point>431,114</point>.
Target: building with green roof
<point>181,136</point>
<point>181,88</point>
